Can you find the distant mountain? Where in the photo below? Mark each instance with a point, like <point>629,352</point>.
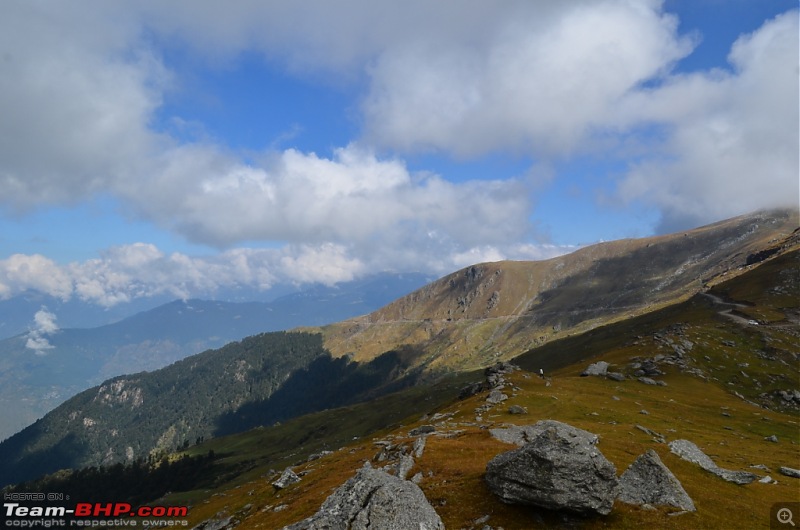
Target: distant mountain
<point>369,292</point>
<point>494,311</point>
<point>262,379</point>
<point>33,382</point>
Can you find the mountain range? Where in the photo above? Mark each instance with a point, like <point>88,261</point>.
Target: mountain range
<point>33,382</point>
<point>695,335</point>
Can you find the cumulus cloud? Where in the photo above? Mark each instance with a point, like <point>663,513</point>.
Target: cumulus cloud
<point>732,136</point>
<point>44,325</point>
<point>81,86</point>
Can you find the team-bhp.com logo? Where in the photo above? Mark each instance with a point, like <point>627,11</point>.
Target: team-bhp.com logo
<point>93,514</point>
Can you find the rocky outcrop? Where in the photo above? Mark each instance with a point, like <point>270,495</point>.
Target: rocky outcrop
<point>649,481</point>
<point>690,452</point>
<point>374,499</point>
<point>558,468</point>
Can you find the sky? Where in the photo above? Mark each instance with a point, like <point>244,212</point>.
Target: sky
<point>187,147</point>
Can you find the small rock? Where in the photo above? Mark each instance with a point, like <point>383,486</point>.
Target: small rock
<point>287,478</point>
<point>495,397</point>
<point>516,409</point>
<point>615,376</point>
<point>768,480</point>
<point>422,429</point>
<point>762,467</point>
<point>789,472</point>
<point>644,412</point>
<point>690,452</point>
<point>419,446</point>
<point>647,381</point>
<point>772,438</point>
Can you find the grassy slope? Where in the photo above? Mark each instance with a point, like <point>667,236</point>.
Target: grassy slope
<point>689,407</point>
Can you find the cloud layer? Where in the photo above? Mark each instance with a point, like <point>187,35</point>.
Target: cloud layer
<point>81,87</point>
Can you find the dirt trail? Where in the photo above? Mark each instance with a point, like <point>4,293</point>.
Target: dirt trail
<point>730,307</point>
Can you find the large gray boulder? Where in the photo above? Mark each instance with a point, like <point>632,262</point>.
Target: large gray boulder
<point>559,468</point>
<point>373,499</point>
<point>649,481</point>
<point>598,368</point>
<point>690,452</point>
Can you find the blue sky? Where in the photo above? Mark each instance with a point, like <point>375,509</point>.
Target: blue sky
<point>184,148</point>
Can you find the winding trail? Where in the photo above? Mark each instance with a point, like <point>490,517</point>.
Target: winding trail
<point>730,307</point>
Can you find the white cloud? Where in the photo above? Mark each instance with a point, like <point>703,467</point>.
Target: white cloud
<point>352,198</point>
<point>543,81</point>
<point>81,84</point>
<point>44,325</point>
<point>732,136</point>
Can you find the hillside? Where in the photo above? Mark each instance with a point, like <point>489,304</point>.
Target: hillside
<point>495,311</point>
<point>724,386</point>
<point>707,398</point>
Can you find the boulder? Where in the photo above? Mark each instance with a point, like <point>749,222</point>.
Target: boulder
<point>690,452</point>
<point>373,499</point>
<point>495,397</point>
<point>649,481</point>
<point>287,478</point>
<point>516,434</point>
<point>559,468</point>
<point>598,368</point>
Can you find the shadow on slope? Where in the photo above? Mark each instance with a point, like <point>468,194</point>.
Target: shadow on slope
<point>325,383</point>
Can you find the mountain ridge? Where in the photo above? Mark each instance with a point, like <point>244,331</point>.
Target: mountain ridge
<point>493,311</point>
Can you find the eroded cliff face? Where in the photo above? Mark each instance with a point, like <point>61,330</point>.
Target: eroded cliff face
<point>493,311</point>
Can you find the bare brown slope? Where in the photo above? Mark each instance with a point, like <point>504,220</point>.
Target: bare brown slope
<point>497,310</point>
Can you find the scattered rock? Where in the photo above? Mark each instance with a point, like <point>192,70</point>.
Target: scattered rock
<point>225,523</point>
<point>516,434</point>
<point>762,467</point>
<point>598,368</point>
<point>495,397</point>
<point>647,381</point>
<point>772,438</point>
<point>649,481</point>
<point>516,409</point>
<point>374,499</point>
<point>419,446</point>
<point>422,429</point>
<point>288,477</point>
<point>656,436</point>
<point>403,466</point>
<point>317,456</point>
<point>615,376</point>
<point>560,468</point>
<point>644,412</point>
<point>768,480</point>
<point>690,452</point>
<point>789,472</point>
<point>470,390</point>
